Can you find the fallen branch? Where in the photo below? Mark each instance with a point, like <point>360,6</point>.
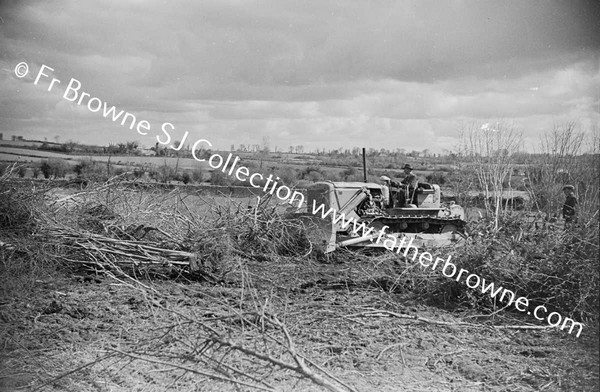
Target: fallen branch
<point>72,371</point>
<point>383,313</point>
<point>300,366</point>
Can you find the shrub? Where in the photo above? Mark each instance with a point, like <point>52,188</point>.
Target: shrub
<point>18,204</point>
<point>198,175</point>
<point>46,169</point>
<point>436,178</point>
<point>21,171</point>
<point>139,172</point>
<point>56,168</point>
<point>164,174</point>
<point>249,164</point>
<point>313,173</point>
<point>91,170</point>
<point>314,176</point>
<point>288,175</point>
<point>217,177</point>
<point>349,172</point>
<point>549,266</point>
<point>185,177</point>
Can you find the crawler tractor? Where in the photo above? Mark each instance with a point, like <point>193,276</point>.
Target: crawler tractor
<point>428,222</point>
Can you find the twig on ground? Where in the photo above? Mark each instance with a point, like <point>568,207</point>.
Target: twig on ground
<point>381,313</point>
<point>387,348</point>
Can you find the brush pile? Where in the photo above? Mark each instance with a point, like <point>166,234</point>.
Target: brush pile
<point>117,224</point>
<point>18,202</point>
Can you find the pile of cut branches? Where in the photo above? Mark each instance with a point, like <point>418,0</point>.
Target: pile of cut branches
<point>255,231</point>
<point>100,248</point>
<point>117,225</point>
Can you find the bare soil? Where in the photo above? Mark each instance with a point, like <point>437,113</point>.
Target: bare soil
<point>54,336</point>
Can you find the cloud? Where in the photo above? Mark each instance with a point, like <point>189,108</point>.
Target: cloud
<point>374,73</point>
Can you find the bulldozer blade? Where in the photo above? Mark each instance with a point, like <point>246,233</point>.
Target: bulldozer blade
<point>357,241</point>
<point>420,240</point>
<point>322,234</point>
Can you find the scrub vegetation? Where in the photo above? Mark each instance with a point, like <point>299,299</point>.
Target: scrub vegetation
<point>116,283</point>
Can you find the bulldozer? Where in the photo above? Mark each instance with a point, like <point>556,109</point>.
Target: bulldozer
<point>422,220</point>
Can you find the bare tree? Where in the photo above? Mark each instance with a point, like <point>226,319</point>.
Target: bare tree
<point>560,147</point>
<point>491,148</point>
<point>561,163</point>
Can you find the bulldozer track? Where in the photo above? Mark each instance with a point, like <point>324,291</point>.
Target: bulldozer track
<point>433,222</point>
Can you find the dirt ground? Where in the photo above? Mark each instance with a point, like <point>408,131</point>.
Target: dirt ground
<point>60,334</point>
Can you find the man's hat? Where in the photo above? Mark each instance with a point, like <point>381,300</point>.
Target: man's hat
<point>384,178</point>
<point>407,166</point>
<point>570,187</point>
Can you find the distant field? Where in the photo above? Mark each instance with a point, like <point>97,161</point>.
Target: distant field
<point>24,155</point>
<point>270,164</point>
<point>23,152</point>
<point>17,158</point>
<point>23,143</point>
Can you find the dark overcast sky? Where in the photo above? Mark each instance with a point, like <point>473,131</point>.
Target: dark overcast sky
<point>391,74</point>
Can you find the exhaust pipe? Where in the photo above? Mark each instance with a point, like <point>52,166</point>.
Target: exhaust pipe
<point>364,163</point>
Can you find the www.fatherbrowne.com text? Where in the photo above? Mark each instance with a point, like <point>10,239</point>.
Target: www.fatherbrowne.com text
<point>449,269</point>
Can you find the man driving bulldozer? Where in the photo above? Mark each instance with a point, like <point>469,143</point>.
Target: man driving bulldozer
<point>409,186</point>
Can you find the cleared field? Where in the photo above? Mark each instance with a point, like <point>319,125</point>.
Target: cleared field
<point>80,319</point>
<point>6,157</point>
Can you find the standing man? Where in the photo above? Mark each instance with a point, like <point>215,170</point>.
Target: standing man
<point>569,210</point>
<point>410,183</point>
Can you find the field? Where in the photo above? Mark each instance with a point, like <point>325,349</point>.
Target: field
<point>82,310</point>
<point>23,155</point>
